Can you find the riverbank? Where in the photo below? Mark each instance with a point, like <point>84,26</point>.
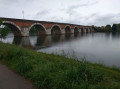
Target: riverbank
<point>49,71</point>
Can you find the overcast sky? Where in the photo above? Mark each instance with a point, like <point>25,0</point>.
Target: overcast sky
<point>83,12</point>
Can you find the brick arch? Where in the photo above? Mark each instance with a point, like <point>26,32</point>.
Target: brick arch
<point>82,29</point>
<point>76,29</point>
<point>40,28</point>
<point>14,28</point>
<point>87,29</point>
<point>56,30</point>
<point>67,29</point>
<point>90,29</point>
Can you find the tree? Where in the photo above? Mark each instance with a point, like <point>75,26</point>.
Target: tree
<point>99,29</point>
<point>118,27</point>
<point>108,28</point>
<point>0,21</point>
<point>114,27</point>
<point>33,31</point>
<point>3,30</point>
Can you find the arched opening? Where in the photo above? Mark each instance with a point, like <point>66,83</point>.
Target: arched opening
<point>55,30</point>
<point>67,30</point>
<point>13,27</point>
<point>37,29</point>
<point>86,30</point>
<point>89,29</point>
<point>76,30</point>
<point>82,30</point>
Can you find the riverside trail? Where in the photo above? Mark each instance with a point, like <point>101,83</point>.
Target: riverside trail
<point>11,80</point>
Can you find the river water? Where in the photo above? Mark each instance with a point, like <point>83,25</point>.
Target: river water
<point>103,48</point>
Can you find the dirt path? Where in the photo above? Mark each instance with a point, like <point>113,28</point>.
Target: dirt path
<point>10,80</point>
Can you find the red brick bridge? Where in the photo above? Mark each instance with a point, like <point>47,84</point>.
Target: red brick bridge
<point>21,27</point>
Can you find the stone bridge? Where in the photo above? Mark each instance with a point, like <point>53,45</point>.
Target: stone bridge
<point>21,27</point>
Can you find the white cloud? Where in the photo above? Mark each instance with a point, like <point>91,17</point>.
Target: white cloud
<point>83,12</point>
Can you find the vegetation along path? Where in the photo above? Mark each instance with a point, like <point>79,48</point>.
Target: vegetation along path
<point>49,71</point>
<point>11,80</point>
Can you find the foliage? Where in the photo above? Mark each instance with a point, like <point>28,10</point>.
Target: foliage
<point>118,27</point>
<point>33,31</point>
<point>49,71</point>
<point>107,28</point>
<point>0,21</point>
<point>114,27</point>
<point>4,32</point>
<point>99,29</point>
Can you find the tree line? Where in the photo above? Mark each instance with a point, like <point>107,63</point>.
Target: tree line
<point>108,28</point>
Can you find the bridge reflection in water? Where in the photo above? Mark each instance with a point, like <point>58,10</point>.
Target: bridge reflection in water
<point>39,42</point>
<point>95,47</point>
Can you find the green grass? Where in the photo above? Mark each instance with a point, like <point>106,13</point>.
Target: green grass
<point>49,71</point>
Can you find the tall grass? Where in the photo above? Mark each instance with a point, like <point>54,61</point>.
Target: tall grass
<point>49,71</point>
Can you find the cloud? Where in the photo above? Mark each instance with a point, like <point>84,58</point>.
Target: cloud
<point>73,9</point>
<point>109,19</point>
<point>41,13</point>
<point>83,5</point>
<point>83,12</point>
<point>102,19</point>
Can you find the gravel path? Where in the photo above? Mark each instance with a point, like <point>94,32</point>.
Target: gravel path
<point>11,80</point>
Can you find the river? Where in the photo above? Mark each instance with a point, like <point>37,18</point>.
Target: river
<point>103,48</point>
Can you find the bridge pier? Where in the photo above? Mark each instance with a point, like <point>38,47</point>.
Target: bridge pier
<point>79,30</point>
<point>84,30</point>
<point>62,31</point>
<point>72,31</point>
<point>25,31</point>
<point>48,31</point>
<point>88,30</point>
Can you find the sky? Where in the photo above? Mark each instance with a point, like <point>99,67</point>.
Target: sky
<point>81,12</point>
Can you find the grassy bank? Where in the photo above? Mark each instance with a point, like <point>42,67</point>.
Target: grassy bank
<point>49,71</point>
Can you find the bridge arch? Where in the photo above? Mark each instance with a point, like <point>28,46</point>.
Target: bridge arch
<point>14,28</point>
<point>67,29</point>
<point>55,30</point>
<point>87,30</point>
<point>39,27</point>
<point>82,30</point>
<point>76,30</point>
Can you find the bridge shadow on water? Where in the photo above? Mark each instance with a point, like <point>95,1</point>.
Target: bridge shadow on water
<point>39,42</point>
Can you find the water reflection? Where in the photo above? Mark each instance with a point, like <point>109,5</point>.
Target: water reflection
<point>17,40</point>
<point>56,38</point>
<point>23,41</point>
<point>96,47</point>
<point>39,42</point>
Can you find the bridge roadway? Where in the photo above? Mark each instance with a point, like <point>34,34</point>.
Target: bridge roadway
<point>21,27</point>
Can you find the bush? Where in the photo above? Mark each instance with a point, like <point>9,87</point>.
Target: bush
<point>4,32</point>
